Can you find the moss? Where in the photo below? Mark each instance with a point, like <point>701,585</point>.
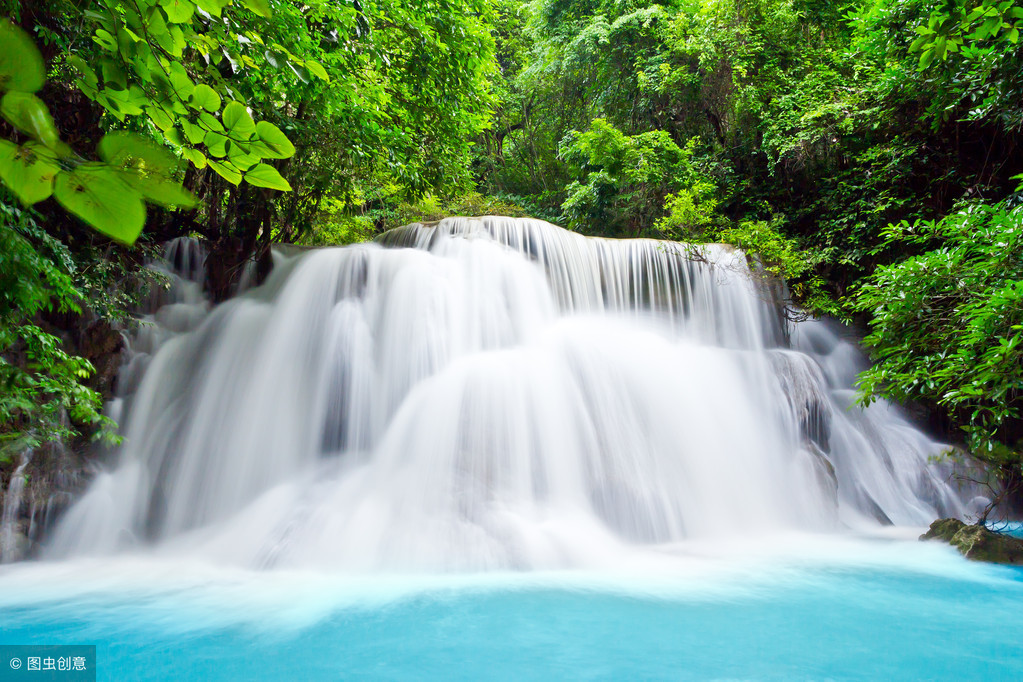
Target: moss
<point>977,542</point>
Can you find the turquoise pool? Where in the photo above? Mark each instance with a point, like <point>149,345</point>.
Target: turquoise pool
<point>874,610</point>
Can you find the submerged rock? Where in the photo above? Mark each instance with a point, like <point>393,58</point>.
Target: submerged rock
<point>977,542</point>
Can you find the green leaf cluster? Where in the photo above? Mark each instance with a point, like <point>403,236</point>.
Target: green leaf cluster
<point>165,60</point>
<point>947,325</point>
<point>110,196</point>
<point>622,181</point>
<point>43,397</point>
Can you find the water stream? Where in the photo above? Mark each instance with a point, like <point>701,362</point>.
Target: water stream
<point>10,508</point>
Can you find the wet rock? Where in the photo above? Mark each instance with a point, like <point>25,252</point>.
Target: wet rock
<point>824,472</point>
<point>977,542</point>
<point>101,344</point>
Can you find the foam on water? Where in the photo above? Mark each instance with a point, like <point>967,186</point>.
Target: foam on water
<point>804,606</point>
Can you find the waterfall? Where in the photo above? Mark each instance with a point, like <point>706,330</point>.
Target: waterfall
<point>9,516</point>
<point>493,393</point>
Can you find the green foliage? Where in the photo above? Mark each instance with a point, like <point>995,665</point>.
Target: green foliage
<point>622,180</point>
<point>42,394</point>
<point>431,208</point>
<point>169,60</point>
<point>21,66</point>
<point>972,48</point>
<point>947,325</point>
<point>334,228</point>
<point>108,196</point>
<point>336,224</point>
<point>689,211</point>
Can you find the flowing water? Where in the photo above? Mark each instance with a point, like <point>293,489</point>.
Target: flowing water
<point>11,506</point>
<point>492,447</point>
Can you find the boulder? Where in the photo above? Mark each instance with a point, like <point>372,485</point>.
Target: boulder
<point>977,542</point>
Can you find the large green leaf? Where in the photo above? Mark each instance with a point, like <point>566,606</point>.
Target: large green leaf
<point>317,69</point>
<point>265,175</point>
<point>238,122</point>
<point>260,7</point>
<point>178,11</point>
<point>194,133</point>
<point>197,158</point>
<point>164,192</point>
<point>160,117</point>
<point>99,195</point>
<point>180,80</point>
<point>226,171</point>
<point>28,114</point>
<point>128,150</point>
<point>149,168</point>
<point>205,97</point>
<point>28,170</point>
<point>214,7</point>
<point>21,65</point>
<point>210,122</point>
<point>241,159</point>
<point>276,142</point>
<point>216,144</point>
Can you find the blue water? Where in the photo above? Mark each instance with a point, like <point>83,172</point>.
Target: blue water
<point>931,616</point>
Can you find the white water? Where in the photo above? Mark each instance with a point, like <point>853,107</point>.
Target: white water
<point>502,394</point>
<point>9,535</point>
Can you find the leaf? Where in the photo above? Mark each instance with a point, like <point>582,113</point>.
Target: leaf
<point>300,71</point>
<point>242,160</point>
<point>178,41</point>
<point>211,122</point>
<point>205,97</point>
<point>216,144</point>
<point>276,142</point>
<point>127,150</point>
<point>194,133</point>
<point>197,158</point>
<point>28,170</point>
<point>28,114</point>
<point>178,11</point>
<point>21,65</point>
<point>148,168</point>
<point>169,194</point>
<point>927,57</point>
<point>124,102</point>
<point>100,196</point>
<point>238,121</point>
<point>105,39</point>
<point>160,117</point>
<point>226,171</point>
<point>180,81</point>
<point>260,7</point>
<point>265,175</point>
<point>317,70</point>
<point>214,7</point>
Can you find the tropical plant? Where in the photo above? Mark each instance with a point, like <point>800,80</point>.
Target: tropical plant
<point>110,194</point>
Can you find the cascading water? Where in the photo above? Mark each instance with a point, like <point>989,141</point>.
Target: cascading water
<point>9,549</point>
<point>494,393</point>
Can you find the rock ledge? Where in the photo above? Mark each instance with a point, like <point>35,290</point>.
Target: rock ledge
<point>977,542</point>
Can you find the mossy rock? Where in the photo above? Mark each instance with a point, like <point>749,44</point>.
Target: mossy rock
<point>977,542</point>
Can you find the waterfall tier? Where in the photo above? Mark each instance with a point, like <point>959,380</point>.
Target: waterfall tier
<point>494,393</point>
